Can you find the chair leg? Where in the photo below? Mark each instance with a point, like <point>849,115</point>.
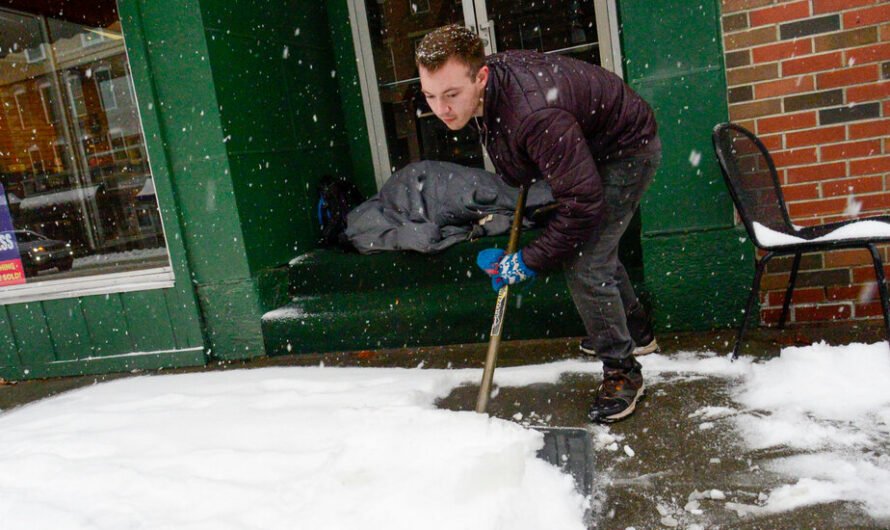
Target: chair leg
<point>752,298</point>
<point>882,287</point>
<point>789,291</point>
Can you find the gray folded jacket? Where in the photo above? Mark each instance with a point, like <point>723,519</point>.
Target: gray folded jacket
<point>429,206</point>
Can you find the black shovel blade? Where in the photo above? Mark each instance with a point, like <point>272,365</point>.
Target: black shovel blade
<point>571,450</point>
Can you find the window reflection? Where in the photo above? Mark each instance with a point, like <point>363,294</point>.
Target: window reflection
<point>73,163</point>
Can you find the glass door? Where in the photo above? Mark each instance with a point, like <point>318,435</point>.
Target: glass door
<point>401,125</point>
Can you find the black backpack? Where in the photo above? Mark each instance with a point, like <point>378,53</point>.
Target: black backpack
<point>336,197</point>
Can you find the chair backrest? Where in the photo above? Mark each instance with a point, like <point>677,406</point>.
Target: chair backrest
<point>751,177</point>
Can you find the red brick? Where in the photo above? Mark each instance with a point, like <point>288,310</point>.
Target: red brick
<point>844,258</point>
<point>817,172</point>
<point>787,122</point>
<point>780,13</point>
<point>870,166</point>
<point>867,274</point>
<point>813,63</point>
<point>822,135</point>
<point>872,92</point>
<point>808,295</point>
<point>795,157</point>
<point>886,108</point>
<point>815,208</point>
<point>755,109</point>
<point>871,309</point>
<point>851,150</point>
<point>867,17</point>
<point>782,50</point>
<point>773,142</point>
<point>844,294</point>
<point>800,192</point>
<point>861,292</point>
<point>771,282</point>
<point>770,316</point>
<point>848,76</point>
<point>822,312</point>
<point>885,32</point>
<point>868,54</point>
<point>878,203</point>
<point>730,6</point>
<point>833,6</point>
<point>870,129</point>
<point>751,37</point>
<point>781,87</point>
<point>853,186</point>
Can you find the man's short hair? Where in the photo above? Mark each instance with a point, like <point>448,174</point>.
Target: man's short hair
<point>450,41</point>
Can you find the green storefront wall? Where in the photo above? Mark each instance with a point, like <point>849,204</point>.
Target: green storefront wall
<point>246,104</point>
<point>697,263</point>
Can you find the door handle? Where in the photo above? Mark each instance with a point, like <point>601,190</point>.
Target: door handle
<point>487,35</point>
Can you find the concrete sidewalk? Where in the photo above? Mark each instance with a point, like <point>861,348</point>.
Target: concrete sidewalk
<point>670,479</point>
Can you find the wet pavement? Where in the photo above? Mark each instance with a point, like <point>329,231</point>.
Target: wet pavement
<point>676,473</point>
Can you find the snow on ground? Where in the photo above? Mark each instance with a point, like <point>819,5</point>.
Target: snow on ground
<point>331,448</point>
<point>829,405</point>
<point>833,405</point>
<point>315,448</point>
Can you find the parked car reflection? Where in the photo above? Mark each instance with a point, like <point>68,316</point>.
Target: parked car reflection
<point>39,252</point>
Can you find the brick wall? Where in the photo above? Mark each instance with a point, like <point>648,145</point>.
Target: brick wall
<point>812,79</point>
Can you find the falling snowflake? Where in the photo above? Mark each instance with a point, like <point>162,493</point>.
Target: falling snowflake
<point>552,94</point>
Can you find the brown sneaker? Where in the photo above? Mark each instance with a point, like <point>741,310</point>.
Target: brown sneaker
<point>617,396</point>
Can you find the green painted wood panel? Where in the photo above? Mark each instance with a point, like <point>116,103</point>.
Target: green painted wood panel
<point>688,192</point>
<point>69,328</point>
<point>181,300</point>
<point>192,138</point>
<point>351,97</point>
<point>108,325</point>
<point>699,280</point>
<point>32,334</point>
<point>673,58</point>
<point>182,307</point>
<point>144,310</point>
<point>9,356</point>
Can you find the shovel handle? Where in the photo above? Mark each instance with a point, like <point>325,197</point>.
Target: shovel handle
<point>500,308</point>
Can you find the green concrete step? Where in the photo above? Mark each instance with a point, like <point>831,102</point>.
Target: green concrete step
<point>449,313</point>
<point>346,301</point>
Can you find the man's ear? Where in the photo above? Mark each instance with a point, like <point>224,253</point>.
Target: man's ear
<point>482,75</point>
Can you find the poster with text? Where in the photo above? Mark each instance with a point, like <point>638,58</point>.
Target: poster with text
<point>11,270</point>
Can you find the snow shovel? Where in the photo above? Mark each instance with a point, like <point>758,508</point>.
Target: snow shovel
<point>567,448</point>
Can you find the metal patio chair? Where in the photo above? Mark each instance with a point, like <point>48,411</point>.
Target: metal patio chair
<point>750,175</point>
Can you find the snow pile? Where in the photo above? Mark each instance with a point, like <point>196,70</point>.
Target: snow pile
<point>831,403</point>
<point>315,448</point>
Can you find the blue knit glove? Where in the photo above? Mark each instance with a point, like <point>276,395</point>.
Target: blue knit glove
<point>504,269</point>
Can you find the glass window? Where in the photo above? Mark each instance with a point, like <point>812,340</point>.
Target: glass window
<point>76,190</point>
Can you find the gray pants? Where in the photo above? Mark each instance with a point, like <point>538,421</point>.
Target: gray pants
<point>597,280</point>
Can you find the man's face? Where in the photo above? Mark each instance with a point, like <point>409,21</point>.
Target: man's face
<point>452,94</point>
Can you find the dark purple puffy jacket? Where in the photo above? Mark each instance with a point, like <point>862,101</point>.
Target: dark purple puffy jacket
<point>553,117</point>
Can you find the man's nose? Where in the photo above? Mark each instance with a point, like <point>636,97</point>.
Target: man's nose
<point>441,108</point>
